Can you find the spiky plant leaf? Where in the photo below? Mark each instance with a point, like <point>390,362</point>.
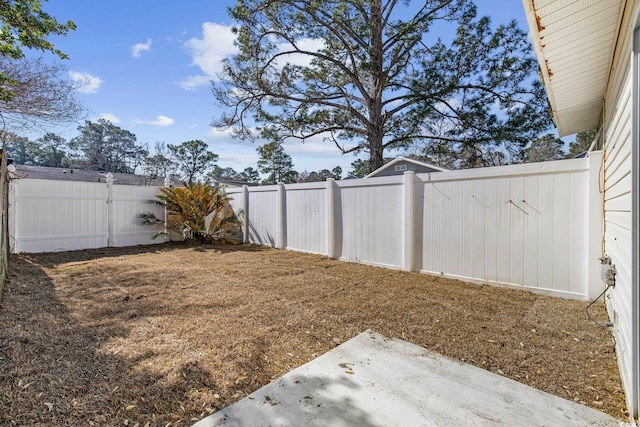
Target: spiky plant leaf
<point>197,211</point>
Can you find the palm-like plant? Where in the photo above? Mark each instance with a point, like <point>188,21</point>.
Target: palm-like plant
<point>196,211</point>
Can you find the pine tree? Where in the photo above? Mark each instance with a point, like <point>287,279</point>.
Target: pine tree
<point>276,164</point>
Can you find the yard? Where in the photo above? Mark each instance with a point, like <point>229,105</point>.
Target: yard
<point>165,335</point>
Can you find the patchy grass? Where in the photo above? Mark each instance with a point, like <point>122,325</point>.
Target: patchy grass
<point>165,335</point>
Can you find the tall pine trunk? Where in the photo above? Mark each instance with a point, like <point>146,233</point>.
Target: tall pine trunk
<point>376,118</point>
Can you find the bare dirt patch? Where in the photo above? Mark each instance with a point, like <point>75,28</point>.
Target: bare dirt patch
<point>166,335</point>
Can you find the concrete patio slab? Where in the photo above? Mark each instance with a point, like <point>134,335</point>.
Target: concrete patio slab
<point>371,381</point>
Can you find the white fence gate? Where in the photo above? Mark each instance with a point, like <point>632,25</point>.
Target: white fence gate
<point>50,215</point>
<point>534,226</point>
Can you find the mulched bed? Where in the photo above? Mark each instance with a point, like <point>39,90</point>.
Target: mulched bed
<point>166,335</point>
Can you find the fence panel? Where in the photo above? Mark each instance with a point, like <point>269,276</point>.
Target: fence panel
<point>236,198</point>
<point>51,216</point>
<point>264,216</point>
<point>527,228</point>
<point>54,216</point>
<point>128,203</point>
<point>369,221</point>
<point>306,217</point>
<point>522,225</point>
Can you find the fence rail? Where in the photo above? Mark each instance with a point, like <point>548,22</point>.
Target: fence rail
<point>525,226</point>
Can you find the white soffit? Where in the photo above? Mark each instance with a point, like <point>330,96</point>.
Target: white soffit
<point>574,41</point>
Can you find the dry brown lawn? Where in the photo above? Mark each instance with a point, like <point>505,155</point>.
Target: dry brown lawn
<point>165,335</point>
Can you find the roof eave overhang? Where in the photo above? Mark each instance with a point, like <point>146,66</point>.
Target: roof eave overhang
<point>574,73</point>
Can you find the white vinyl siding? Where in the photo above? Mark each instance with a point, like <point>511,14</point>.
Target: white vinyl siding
<point>617,184</point>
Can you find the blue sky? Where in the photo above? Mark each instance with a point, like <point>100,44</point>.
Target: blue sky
<point>148,66</point>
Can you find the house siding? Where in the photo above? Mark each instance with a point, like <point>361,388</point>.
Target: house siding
<point>616,182</point>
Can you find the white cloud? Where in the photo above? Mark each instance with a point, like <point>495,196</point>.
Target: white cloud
<point>309,45</point>
<point>244,160</point>
<point>217,43</point>
<point>315,146</point>
<point>193,82</point>
<point>208,52</point>
<point>159,121</point>
<point>87,83</point>
<point>215,133</point>
<point>107,116</point>
<point>313,155</point>
<point>224,137</point>
<point>162,121</point>
<point>311,149</point>
<point>138,48</point>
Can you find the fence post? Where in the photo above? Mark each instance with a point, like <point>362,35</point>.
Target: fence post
<point>282,217</point>
<point>4,232</point>
<point>167,236</point>
<point>109,209</point>
<point>331,220</point>
<point>245,216</point>
<point>408,221</point>
<point>13,210</point>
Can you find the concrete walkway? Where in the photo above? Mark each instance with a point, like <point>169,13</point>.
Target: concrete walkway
<point>374,381</point>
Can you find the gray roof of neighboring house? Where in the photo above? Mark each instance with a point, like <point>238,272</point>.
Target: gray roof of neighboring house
<point>413,165</point>
<point>236,183</point>
<point>68,174</point>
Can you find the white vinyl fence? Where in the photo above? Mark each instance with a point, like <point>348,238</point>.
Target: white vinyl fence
<point>534,226</point>
<point>51,216</point>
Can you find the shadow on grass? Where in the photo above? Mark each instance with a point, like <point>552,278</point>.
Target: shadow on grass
<point>51,259</point>
<point>56,369</point>
<point>137,338</point>
<point>65,363</point>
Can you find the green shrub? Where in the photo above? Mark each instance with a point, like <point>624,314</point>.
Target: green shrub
<point>196,211</point>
